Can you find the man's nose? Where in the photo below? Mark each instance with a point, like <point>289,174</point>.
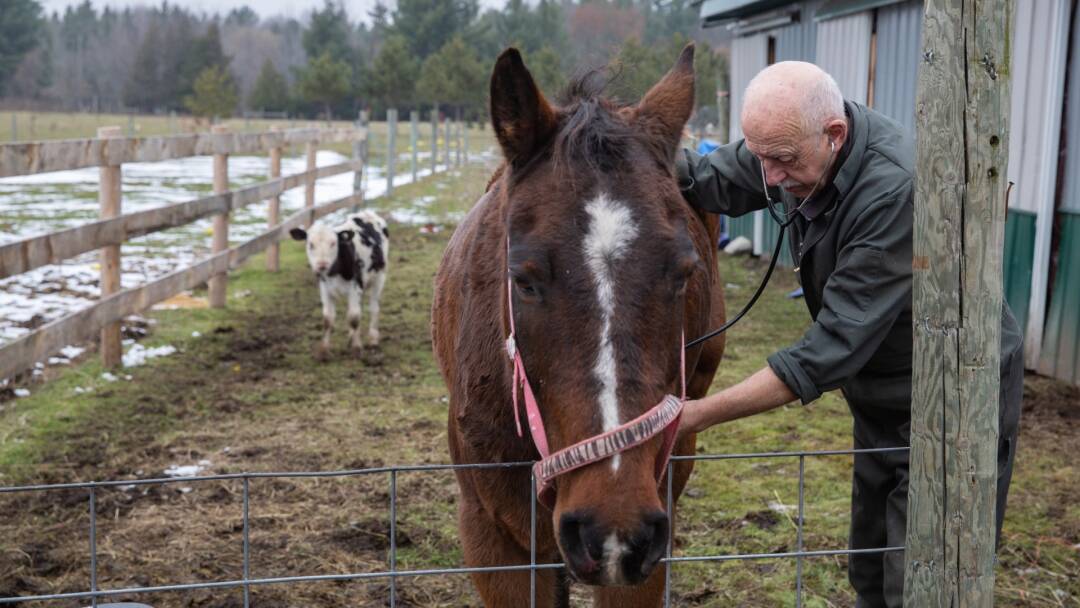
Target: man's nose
<point>774,176</point>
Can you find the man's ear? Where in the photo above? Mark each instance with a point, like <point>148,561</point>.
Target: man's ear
<point>521,117</point>
<point>667,106</point>
<point>298,234</point>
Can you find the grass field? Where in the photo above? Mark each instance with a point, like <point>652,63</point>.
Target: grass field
<point>246,395</point>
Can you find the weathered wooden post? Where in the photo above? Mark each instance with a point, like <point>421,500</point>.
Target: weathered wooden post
<point>465,141</point>
<point>391,148</point>
<point>434,137</point>
<point>457,139</point>
<point>414,131</point>
<point>14,127</point>
<point>273,216</point>
<point>218,283</point>
<point>446,141</point>
<point>359,152</point>
<point>109,195</point>
<point>962,153</point>
<point>311,148</point>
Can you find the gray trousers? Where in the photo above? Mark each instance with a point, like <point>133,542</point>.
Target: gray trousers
<point>880,486</point>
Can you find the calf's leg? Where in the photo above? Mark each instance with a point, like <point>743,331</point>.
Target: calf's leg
<point>355,295</point>
<point>322,353</point>
<point>375,288</point>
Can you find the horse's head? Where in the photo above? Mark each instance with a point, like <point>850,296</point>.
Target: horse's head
<point>602,263</point>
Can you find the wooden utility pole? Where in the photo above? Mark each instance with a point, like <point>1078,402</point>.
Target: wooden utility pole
<point>109,194</point>
<point>962,154</point>
<point>391,149</point>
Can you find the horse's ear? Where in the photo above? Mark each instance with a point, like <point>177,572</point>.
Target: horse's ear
<point>667,106</point>
<point>521,117</point>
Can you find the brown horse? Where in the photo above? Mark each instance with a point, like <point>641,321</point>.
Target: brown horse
<point>609,268</point>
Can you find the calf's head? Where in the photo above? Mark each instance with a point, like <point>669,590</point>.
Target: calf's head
<point>323,246</point>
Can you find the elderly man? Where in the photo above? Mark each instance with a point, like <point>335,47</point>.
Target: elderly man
<point>844,174</point>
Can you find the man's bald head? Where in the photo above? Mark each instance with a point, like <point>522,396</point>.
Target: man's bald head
<point>793,91</point>
<point>793,121</point>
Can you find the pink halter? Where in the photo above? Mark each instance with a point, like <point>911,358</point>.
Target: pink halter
<point>661,418</point>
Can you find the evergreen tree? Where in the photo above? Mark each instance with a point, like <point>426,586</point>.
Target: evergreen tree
<point>428,25</point>
<point>242,17</point>
<point>214,94</point>
<point>545,66</point>
<point>205,52</point>
<point>270,92</point>
<point>393,73</point>
<point>21,24</point>
<point>325,81</point>
<point>328,33</point>
<point>143,88</point>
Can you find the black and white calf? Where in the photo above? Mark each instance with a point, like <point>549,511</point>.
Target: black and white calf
<point>348,260</point>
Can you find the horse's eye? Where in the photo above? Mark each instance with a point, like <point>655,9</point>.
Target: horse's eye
<point>524,287</point>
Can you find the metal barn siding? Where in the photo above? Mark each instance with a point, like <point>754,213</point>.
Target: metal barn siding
<point>896,71</point>
<point>1060,356</point>
<point>843,50</point>
<point>749,55</point>
<point>798,41</point>
<point>1039,45</point>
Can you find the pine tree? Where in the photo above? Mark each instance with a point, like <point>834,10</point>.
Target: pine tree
<point>325,81</point>
<point>214,94</point>
<point>270,92</point>
<point>20,27</point>
<point>394,72</point>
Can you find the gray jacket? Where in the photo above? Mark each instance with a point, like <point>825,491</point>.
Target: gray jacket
<point>852,250</point>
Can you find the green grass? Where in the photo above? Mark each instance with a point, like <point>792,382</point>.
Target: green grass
<point>250,384</point>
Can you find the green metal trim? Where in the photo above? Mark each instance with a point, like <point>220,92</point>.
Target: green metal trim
<point>835,9</point>
<point>1019,261</point>
<point>1060,355</point>
<point>742,226</point>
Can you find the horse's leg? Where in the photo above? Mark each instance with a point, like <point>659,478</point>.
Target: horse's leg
<point>485,544</point>
<point>649,594</point>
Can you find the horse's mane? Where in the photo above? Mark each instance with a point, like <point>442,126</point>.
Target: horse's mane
<point>592,130</point>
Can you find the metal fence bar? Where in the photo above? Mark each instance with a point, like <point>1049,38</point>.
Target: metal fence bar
<point>393,574</point>
<point>393,538</point>
<point>247,546</point>
<point>93,545</point>
<point>670,537</point>
<point>799,536</point>
<point>532,538</point>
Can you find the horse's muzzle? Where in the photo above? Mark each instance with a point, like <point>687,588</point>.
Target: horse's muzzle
<point>597,555</point>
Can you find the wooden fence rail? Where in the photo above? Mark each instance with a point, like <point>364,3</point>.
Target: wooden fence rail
<point>107,234</point>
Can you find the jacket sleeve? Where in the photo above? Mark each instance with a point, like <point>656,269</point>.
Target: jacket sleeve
<point>727,180</point>
<point>862,299</point>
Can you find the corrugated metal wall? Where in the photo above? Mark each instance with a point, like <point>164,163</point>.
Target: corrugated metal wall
<point>1039,46</point>
<point>843,50</point>
<point>899,48</point>
<point>749,55</point>
<point>798,41</point>
<point>1060,356</point>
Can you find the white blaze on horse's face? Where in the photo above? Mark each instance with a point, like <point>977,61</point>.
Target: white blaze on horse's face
<point>611,231</point>
<point>322,246</point>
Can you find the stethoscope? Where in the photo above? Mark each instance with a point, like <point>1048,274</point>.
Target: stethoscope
<point>783,220</point>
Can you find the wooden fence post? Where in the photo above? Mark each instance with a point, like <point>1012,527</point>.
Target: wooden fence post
<point>391,149</point>
<point>962,153</point>
<point>309,184</point>
<point>446,142</point>
<point>360,151</point>
<point>434,137</point>
<point>414,125</point>
<point>14,127</point>
<point>273,216</point>
<point>465,141</point>
<point>109,196</point>
<point>219,282</point>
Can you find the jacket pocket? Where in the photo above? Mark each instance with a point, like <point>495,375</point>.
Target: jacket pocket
<point>857,280</point>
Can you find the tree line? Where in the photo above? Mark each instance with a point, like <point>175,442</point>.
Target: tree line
<point>420,53</point>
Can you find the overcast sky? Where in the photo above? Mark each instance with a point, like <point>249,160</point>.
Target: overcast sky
<point>357,9</point>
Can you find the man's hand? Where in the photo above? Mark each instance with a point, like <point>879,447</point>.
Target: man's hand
<point>760,392</point>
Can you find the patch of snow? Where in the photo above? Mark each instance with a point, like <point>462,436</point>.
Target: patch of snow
<point>80,390</point>
<point>109,377</point>
<point>22,392</point>
<point>72,351</point>
<point>195,334</point>
<point>138,354</point>
<point>187,470</point>
<point>58,361</point>
<point>782,508</point>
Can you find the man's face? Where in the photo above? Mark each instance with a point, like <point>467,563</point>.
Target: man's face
<point>792,159</point>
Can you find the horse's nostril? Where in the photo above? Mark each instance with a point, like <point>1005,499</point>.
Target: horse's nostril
<point>581,542</point>
<point>649,546</point>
